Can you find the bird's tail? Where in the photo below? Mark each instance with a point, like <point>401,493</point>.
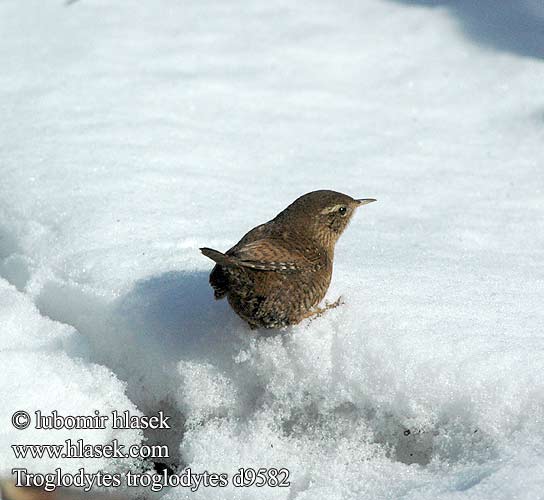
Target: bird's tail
<point>217,256</point>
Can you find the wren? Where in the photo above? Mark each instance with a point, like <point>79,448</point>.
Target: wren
<point>279,272</point>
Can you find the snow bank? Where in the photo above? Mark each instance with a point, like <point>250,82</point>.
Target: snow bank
<point>133,135</point>
<point>43,370</point>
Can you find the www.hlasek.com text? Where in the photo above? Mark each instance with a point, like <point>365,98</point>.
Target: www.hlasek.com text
<point>80,449</point>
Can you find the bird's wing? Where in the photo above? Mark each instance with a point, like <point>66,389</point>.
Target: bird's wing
<point>268,254</point>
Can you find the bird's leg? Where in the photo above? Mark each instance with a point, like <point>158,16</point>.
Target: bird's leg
<point>318,311</point>
<point>338,302</point>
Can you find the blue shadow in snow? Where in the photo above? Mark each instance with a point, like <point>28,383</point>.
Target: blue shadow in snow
<point>515,26</point>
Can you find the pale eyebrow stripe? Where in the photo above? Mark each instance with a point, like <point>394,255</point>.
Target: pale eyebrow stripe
<point>328,210</point>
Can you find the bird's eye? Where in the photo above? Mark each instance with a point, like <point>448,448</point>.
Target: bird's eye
<point>342,210</point>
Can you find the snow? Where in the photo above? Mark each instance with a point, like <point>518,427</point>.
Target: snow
<point>43,369</point>
<point>132,134</point>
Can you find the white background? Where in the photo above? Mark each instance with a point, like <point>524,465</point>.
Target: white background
<point>132,133</point>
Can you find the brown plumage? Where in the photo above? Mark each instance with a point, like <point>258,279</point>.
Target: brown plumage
<point>277,274</point>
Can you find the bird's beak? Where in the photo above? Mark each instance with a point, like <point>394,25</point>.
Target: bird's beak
<point>365,201</point>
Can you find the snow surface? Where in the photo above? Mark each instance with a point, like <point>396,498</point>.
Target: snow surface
<point>134,132</point>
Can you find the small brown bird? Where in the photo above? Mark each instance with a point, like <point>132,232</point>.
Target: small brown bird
<point>279,272</point>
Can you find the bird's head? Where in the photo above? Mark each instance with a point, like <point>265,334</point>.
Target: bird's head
<point>322,215</point>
